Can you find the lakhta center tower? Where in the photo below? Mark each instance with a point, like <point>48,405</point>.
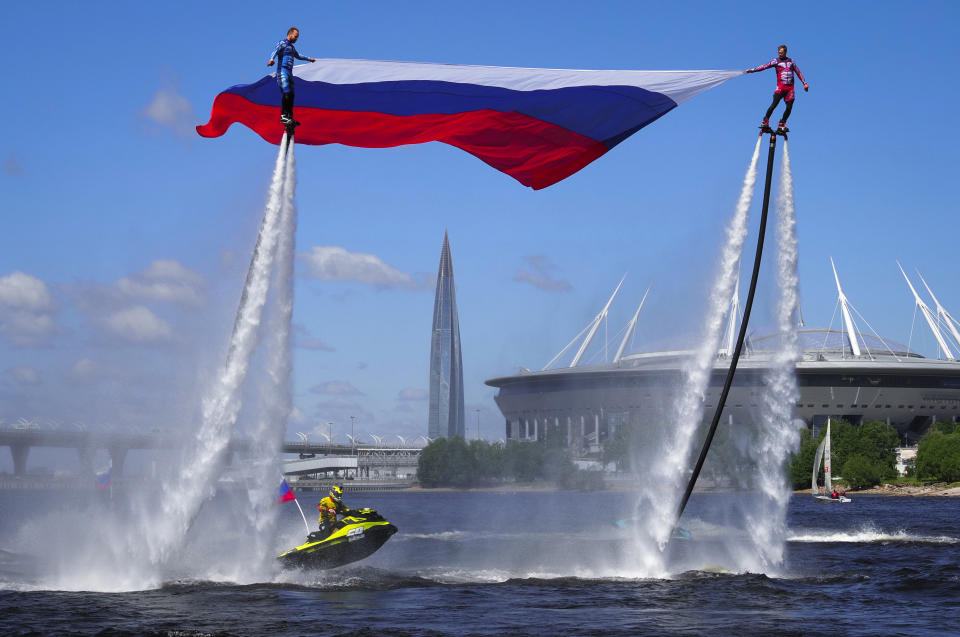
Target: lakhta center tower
<point>446,416</point>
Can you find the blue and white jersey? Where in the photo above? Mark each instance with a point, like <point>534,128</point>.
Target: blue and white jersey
<point>285,53</point>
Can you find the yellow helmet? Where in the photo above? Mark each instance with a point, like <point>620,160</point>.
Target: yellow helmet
<point>336,492</point>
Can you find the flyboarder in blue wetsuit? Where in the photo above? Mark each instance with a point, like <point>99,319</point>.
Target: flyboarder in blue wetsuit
<point>285,53</point>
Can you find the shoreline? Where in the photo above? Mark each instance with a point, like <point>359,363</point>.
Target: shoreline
<point>895,490</point>
<point>886,489</point>
<point>904,490</point>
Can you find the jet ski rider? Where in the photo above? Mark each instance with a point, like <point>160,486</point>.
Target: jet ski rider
<point>329,507</point>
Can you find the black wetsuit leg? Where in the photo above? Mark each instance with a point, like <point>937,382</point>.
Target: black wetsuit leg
<point>776,100</point>
<point>786,112</point>
<point>286,104</point>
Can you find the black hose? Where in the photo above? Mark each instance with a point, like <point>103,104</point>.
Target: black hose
<point>740,337</point>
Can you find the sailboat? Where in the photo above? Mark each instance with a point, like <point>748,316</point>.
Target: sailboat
<point>823,451</point>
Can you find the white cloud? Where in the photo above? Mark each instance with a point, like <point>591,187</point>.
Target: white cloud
<point>83,368</point>
<point>296,416</point>
<point>26,309</point>
<point>164,280</point>
<point>338,410</point>
<point>333,263</point>
<point>336,388</point>
<point>171,110</point>
<point>540,276</point>
<point>139,325</point>
<point>25,292</point>
<point>303,340</point>
<point>25,375</point>
<point>412,394</point>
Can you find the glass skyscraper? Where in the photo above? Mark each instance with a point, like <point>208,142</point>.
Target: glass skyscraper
<point>446,416</point>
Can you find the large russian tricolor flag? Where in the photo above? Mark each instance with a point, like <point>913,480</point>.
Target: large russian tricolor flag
<point>537,125</point>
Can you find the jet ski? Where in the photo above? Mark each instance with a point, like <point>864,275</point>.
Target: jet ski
<point>357,535</point>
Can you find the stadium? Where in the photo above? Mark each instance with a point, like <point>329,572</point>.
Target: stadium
<point>841,374</point>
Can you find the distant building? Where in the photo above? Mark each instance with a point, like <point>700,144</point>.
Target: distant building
<point>446,416</point>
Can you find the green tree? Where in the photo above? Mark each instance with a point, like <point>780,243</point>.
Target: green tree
<point>801,465</point>
<point>523,461</point>
<point>938,457</point>
<point>432,465</point>
<point>461,468</point>
<point>878,442</point>
<point>617,449</point>
<point>943,427</point>
<point>859,472</point>
<point>844,442</point>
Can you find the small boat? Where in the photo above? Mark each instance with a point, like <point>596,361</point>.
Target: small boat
<point>823,451</point>
<point>359,534</point>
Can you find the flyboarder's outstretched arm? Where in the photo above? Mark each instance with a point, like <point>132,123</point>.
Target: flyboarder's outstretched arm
<point>297,55</point>
<point>277,53</point>
<point>762,67</point>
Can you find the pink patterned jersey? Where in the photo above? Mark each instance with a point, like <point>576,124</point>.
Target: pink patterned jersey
<point>786,67</point>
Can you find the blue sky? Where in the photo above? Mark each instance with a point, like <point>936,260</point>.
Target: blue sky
<point>126,236</point>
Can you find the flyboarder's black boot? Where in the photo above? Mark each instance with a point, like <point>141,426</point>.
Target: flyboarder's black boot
<point>765,127</point>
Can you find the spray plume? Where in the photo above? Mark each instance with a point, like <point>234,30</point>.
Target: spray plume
<point>267,435</point>
<point>658,502</point>
<point>184,493</point>
<point>778,437</point>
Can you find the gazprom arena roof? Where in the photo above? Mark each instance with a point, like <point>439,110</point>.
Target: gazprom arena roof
<point>833,343</point>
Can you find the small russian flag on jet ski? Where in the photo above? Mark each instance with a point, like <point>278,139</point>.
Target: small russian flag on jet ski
<point>105,479</point>
<point>537,125</point>
<point>284,492</point>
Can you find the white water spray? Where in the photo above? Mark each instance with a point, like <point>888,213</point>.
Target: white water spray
<point>778,437</point>
<point>277,400</point>
<point>184,493</point>
<point>659,501</point>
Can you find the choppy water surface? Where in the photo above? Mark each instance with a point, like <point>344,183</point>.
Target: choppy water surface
<point>488,564</point>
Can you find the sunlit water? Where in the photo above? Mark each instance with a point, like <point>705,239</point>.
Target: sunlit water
<point>497,563</point>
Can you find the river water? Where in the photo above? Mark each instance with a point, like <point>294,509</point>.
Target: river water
<point>488,563</point>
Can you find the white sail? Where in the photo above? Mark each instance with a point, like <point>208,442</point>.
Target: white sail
<point>827,485</point>
<point>823,451</point>
<point>816,467</point>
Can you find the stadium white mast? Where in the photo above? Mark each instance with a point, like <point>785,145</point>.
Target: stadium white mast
<point>596,323</point>
<point>630,328</point>
<point>928,316</point>
<point>941,311</point>
<point>730,337</point>
<point>844,308</point>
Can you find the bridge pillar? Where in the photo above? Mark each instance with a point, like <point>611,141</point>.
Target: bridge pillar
<point>117,455</point>
<point>19,452</point>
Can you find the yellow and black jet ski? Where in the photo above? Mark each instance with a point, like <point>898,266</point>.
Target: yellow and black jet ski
<point>357,535</point>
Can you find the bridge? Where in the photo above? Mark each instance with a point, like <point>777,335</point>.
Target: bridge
<point>369,458</point>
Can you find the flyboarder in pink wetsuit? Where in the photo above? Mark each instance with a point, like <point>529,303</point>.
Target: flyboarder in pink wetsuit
<point>786,68</point>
